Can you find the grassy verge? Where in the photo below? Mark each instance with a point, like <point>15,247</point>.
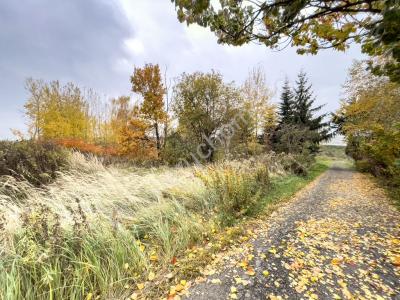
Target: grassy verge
<point>120,234</point>
<point>283,188</point>
<point>195,260</point>
<point>391,187</point>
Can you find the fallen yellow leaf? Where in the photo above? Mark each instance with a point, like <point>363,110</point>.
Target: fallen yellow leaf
<point>153,257</point>
<point>336,261</point>
<point>89,296</point>
<point>396,261</point>
<point>250,271</point>
<point>151,276</point>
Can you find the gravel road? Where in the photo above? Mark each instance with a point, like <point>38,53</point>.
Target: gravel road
<point>339,238</point>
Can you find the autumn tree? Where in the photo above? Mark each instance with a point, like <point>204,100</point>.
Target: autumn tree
<point>257,95</point>
<point>309,25</point>
<point>147,82</point>
<point>34,107</point>
<point>370,120</point>
<point>56,111</point>
<point>271,121</point>
<point>121,113</point>
<point>203,103</point>
<point>134,139</point>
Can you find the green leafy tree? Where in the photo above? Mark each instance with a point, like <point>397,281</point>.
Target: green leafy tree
<point>203,103</point>
<point>309,25</point>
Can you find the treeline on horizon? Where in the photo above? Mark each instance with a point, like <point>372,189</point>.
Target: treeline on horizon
<point>201,118</point>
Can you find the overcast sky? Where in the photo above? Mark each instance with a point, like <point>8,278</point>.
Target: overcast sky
<point>96,44</point>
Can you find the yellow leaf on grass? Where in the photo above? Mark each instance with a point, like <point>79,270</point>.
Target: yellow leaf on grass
<point>151,276</point>
<point>265,273</point>
<point>140,286</point>
<point>233,289</point>
<point>89,296</point>
<point>153,257</point>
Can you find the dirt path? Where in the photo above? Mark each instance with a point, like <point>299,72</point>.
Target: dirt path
<point>338,239</point>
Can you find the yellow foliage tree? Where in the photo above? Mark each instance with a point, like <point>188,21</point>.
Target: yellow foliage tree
<point>56,111</point>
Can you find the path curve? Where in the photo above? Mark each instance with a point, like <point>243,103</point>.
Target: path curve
<point>339,238</point>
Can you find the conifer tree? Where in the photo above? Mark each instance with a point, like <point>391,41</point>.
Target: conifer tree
<point>286,105</point>
<point>298,120</point>
<point>304,111</point>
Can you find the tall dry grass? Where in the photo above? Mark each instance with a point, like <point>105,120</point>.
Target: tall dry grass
<point>99,231</point>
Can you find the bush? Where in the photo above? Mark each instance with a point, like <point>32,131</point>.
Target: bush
<point>236,190</point>
<point>88,148</point>
<point>36,162</point>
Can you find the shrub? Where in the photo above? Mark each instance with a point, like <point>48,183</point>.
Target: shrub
<point>236,189</point>
<point>36,162</point>
<point>85,147</point>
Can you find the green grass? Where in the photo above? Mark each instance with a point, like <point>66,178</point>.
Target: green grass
<point>333,152</point>
<point>283,188</point>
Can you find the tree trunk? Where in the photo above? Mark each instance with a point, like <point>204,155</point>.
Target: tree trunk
<point>157,139</point>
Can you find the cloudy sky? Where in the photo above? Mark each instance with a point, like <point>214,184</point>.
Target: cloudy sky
<point>96,44</point>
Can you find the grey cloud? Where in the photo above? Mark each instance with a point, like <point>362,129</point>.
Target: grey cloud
<point>74,40</point>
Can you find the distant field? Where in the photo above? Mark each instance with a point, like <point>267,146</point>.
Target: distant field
<point>333,151</point>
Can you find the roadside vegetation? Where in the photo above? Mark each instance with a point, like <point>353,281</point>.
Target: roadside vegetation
<point>116,232</point>
<point>112,200</point>
<point>370,120</point>
<point>132,197</point>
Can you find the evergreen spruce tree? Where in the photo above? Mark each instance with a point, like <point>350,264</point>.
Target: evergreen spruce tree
<point>299,129</point>
<point>286,105</point>
<point>304,111</point>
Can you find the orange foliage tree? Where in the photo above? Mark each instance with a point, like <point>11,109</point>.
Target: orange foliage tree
<point>134,140</point>
<point>147,82</point>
